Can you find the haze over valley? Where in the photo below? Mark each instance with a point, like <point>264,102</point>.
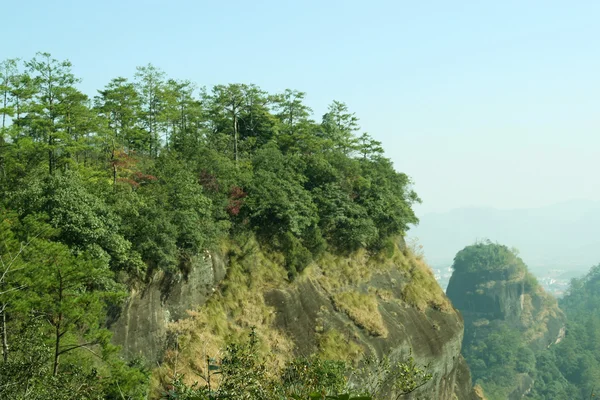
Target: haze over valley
<point>552,240</point>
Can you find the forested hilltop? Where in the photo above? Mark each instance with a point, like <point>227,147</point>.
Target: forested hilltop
<point>517,340</point>
<point>99,194</point>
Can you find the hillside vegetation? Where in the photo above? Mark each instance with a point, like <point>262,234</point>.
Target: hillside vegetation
<point>100,194</point>
<point>571,368</point>
<point>509,320</point>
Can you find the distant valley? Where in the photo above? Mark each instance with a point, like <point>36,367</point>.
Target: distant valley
<point>558,242</point>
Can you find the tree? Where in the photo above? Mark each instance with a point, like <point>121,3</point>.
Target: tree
<point>256,122</point>
<point>53,81</point>
<point>339,126</point>
<point>291,110</point>
<point>150,85</point>
<point>69,292</point>
<point>279,206</point>
<point>185,116</point>
<point>8,71</point>
<point>369,148</point>
<point>226,104</point>
<point>10,263</point>
<point>120,104</point>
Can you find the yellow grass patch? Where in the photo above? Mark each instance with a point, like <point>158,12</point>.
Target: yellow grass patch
<point>363,309</point>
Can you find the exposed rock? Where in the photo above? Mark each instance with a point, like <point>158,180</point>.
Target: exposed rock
<point>141,328</point>
<point>434,336</point>
<point>390,306</point>
<point>492,288</point>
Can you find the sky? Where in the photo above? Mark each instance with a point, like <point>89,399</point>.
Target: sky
<point>481,103</point>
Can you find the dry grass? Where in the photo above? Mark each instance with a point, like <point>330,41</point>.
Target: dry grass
<point>239,304</point>
<point>363,309</point>
<point>536,320</point>
<point>228,316</point>
<point>338,273</point>
<point>333,345</point>
<point>478,391</point>
<point>422,290</point>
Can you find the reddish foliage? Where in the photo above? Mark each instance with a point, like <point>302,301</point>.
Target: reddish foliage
<point>143,178</point>
<point>208,181</point>
<point>131,182</point>
<point>123,160</point>
<point>236,200</point>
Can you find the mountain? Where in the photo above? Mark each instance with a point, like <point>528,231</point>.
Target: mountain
<point>509,319</point>
<point>565,235</point>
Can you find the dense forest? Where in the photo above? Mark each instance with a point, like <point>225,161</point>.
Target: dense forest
<point>100,193</point>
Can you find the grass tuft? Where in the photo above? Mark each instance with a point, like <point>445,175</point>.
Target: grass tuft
<point>363,309</point>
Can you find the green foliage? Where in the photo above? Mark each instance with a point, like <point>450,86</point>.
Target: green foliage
<point>500,359</point>
<point>185,166</point>
<point>489,258</point>
<point>497,354</point>
<point>241,374</point>
<point>53,311</point>
<point>376,377</point>
<point>573,365</point>
<point>144,178</point>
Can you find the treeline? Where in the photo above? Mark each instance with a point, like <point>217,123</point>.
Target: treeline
<point>100,193</point>
<point>154,170</point>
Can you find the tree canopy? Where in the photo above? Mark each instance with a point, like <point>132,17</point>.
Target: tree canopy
<point>101,191</point>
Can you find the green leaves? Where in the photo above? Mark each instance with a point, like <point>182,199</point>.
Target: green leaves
<point>488,257</point>
<point>155,173</point>
<point>243,376</point>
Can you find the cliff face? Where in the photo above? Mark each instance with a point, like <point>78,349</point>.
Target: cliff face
<point>508,318</point>
<point>341,307</point>
<point>141,328</point>
<point>484,298</point>
<point>307,312</point>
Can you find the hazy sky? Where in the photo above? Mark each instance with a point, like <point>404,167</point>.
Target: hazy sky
<point>491,103</point>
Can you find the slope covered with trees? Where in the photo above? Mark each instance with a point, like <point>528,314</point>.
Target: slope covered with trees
<point>571,368</point>
<point>99,194</point>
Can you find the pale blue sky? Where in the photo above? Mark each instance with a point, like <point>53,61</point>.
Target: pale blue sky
<point>489,103</point>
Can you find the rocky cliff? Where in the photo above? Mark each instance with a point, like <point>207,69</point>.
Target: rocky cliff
<point>514,298</point>
<point>499,299</point>
<point>340,307</point>
<point>141,326</point>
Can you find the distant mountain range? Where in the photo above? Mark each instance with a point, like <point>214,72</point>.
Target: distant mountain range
<point>564,235</point>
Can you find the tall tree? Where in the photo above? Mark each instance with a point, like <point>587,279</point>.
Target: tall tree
<point>8,70</point>
<point>69,293</point>
<point>53,79</point>
<point>183,114</point>
<point>258,125</point>
<point>226,107</point>
<point>150,83</point>
<point>291,110</point>
<point>340,125</point>
<point>368,147</point>
<point>119,104</point>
